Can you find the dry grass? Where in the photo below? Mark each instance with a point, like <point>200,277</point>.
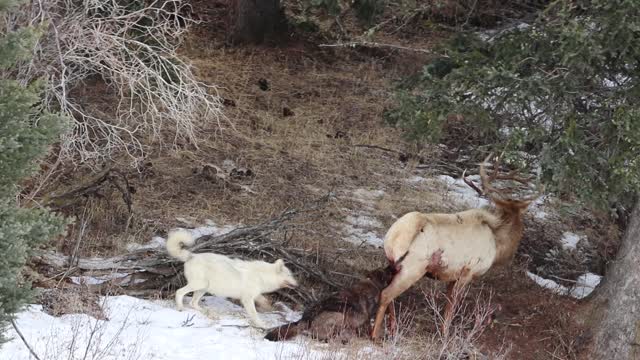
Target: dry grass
<point>334,100</point>
<point>61,301</point>
<point>337,101</point>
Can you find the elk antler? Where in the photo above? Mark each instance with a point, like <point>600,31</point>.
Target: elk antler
<point>487,188</point>
<point>491,192</point>
<point>470,183</point>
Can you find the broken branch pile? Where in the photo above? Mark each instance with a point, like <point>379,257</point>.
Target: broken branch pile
<point>150,270</point>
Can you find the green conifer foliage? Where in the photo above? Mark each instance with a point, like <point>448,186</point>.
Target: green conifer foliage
<point>565,89</point>
<point>25,133</point>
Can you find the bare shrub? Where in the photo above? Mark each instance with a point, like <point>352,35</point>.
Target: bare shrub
<point>130,47</point>
<point>459,341</point>
<point>89,338</point>
<point>457,336</point>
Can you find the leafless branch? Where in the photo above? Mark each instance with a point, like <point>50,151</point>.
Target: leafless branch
<point>26,343</point>
<point>155,271</point>
<point>147,89</point>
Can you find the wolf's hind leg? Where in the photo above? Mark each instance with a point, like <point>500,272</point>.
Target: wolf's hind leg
<point>195,301</point>
<point>180,293</point>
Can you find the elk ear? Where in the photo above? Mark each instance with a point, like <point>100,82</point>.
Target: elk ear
<point>279,264</point>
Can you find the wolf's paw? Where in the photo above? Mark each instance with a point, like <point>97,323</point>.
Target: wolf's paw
<point>199,309</point>
<point>259,324</point>
<point>282,307</point>
<point>265,307</point>
<point>210,314</point>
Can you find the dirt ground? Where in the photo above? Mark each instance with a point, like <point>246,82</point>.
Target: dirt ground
<point>305,121</point>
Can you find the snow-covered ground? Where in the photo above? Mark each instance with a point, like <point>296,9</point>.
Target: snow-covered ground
<point>362,227</point>
<point>141,329</point>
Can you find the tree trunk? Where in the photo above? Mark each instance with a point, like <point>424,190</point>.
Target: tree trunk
<point>615,315</point>
<point>251,21</point>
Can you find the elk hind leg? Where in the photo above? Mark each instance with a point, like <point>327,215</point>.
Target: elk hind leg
<point>392,324</point>
<point>400,283</point>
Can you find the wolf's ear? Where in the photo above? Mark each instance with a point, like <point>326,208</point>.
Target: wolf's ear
<point>279,264</point>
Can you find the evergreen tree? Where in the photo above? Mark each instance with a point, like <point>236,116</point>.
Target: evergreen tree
<point>25,133</point>
<point>565,89</point>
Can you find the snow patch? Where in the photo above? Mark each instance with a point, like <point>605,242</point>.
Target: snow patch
<point>361,230</point>
<point>548,284</point>
<point>585,285</point>
<point>365,195</point>
<point>155,243</point>
<point>537,208</point>
<point>416,179</point>
<point>490,35</point>
<point>363,221</point>
<point>362,227</point>
<point>617,81</point>
<point>359,236</point>
<point>570,240</point>
<point>212,229</point>
<point>462,192</point>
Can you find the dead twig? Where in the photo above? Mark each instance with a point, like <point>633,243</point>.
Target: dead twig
<point>370,44</point>
<point>26,343</point>
<point>471,184</point>
<point>379,148</point>
<point>91,188</point>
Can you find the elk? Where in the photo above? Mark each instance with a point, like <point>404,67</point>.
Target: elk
<point>453,248</point>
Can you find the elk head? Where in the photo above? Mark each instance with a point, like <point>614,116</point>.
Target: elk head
<point>501,197</point>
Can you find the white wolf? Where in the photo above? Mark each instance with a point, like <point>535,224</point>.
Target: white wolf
<point>226,277</point>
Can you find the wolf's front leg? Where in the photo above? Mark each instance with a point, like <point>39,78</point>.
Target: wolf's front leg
<point>263,303</point>
<point>250,306</point>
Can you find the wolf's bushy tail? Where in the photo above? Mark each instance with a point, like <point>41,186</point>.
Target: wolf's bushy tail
<point>174,244</point>
<point>285,332</point>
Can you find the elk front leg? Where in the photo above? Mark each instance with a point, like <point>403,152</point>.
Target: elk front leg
<point>448,308</point>
<point>453,298</point>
